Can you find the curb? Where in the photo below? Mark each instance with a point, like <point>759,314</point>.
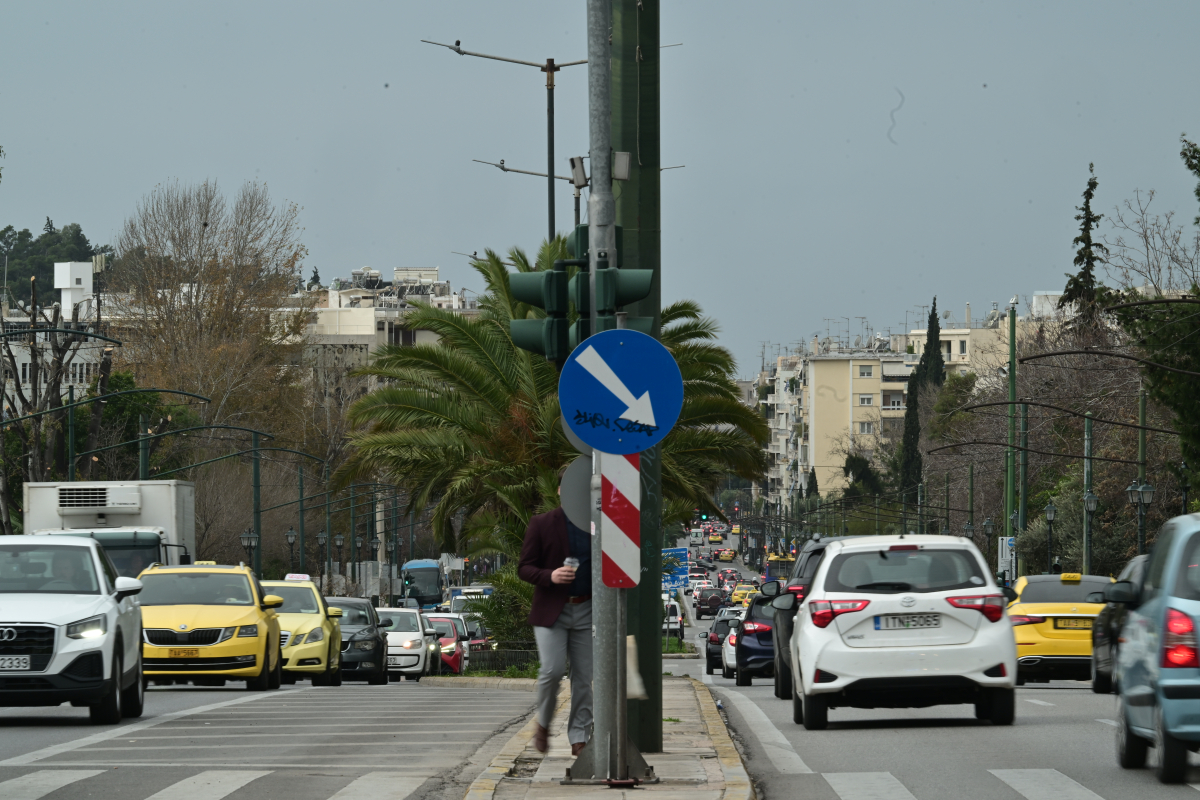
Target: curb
<point>468,682</point>
<point>737,780</point>
<point>680,655</point>
<point>485,784</point>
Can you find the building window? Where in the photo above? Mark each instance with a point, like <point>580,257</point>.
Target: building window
<point>962,347</point>
<point>866,399</point>
<point>866,427</point>
<point>864,371</point>
<point>946,347</point>
<point>25,372</point>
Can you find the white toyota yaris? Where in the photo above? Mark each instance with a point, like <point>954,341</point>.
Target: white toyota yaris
<point>901,622</point>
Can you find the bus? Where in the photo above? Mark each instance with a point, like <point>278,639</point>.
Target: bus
<point>779,566</point>
<point>423,582</point>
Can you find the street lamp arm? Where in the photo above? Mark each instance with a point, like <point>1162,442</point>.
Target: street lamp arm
<point>1031,450</point>
<point>504,168</point>
<point>462,52</point>
<point>1072,412</point>
<point>1162,301</point>
<point>182,430</point>
<point>103,397</point>
<point>1088,351</point>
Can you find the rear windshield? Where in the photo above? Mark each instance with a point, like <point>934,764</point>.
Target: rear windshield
<point>929,569</point>
<point>1187,585</point>
<point>761,608</point>
<point>1060,592</point>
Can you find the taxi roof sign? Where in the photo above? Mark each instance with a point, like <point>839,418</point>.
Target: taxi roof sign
<point>1072,576</point>
<point>206,563</point>
<point>297,576</point>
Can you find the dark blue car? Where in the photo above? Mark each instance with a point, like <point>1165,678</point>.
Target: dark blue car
<point>755,648</point>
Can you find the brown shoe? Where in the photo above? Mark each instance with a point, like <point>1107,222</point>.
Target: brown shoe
<point>577,748</point>
<point>541,737</point>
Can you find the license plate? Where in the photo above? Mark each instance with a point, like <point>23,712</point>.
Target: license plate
<point>393,661</point>
<point>14,662</point>
<point>183,652</point>
<point>896,622</point>
<point>1073,623</point>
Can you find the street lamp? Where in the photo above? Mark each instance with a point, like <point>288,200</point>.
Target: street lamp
<point>1051,510</point>
<point>338,541</point>
<point>968,531</point>
<point>375,543</point>
<point>1140,496</point>
<point>291,540</point>
<point>245,540</point>
<point>1090,502</point>
<point>323,543</point>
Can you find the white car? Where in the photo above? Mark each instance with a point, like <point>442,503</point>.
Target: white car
<point>901,622</point>
<point>70,628</point>
<point>672,622</point>
<point>728,653</point>
<point>409,643</point>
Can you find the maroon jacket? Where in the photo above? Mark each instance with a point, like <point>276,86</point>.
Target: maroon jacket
<point>544,551</point>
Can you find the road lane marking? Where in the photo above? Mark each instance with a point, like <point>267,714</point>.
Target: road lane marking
<point>867,786</point>
<point>1112,722</point>
<point>43,782</point>
<point>1044,784</point>
<point>1037,702</point>
<point>776,745</point>
<point>381,786</point>
<point>211,785</point>
<point>123,731</point>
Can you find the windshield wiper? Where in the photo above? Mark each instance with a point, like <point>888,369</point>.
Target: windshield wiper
<point>899,586</point>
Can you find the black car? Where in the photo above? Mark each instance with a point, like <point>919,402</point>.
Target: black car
<point>798,583</point>
<point>754,650</point>
<point>714,640</point>
<point>1106,629</point>
<point>708,601</point>
<point>364,642</point>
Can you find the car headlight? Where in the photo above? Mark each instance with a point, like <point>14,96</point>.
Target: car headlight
<point>248,630</point>
<point>411,644</point>
<point>448,648</point>
<point>366,644</point>
<point>316,635</point>
<point>91,628</point>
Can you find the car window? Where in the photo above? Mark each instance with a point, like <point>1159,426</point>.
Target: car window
<point>353,614</point>
<point>47,569</point>
<point>930,569</point>
<point>1134,566</point>
<point>1062,592</point>
<point>761,609</point>
<point>811,563</point>
<point>1187,585</point>
<point>108,570</point>
<point>296,599</point>
<point>402,621</point>
<point>1152,585</point>
<point>721,626</point>
<point>444,628</point>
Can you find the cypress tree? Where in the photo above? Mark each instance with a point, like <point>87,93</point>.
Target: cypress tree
<point>930,370</point>
<point>810,490</point>
<point>1082,289</point>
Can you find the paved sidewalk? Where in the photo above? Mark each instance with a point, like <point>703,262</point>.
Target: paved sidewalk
<point>699,761</point>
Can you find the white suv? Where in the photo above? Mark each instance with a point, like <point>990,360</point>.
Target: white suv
<point>70,628</point>
<point>901,622</point>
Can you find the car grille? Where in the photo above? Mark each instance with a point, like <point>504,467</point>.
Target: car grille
<point>165,637</point>
<point>11,684</point>
<point>193,664</point>
<point>284,637</point>
<point>35,641</point>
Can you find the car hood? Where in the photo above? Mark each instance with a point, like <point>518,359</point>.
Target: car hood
<point>199,616</point>
<point>350,631</point>
<point>53,609</point>
<point>299,622</point>
<point>398,638</point>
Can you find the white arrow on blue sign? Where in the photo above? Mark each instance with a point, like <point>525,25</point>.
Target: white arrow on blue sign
<point>620,391</point>
<point>679,576</point>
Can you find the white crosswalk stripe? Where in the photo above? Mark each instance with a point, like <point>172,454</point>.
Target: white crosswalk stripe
<point>1044,784</point>
<point>381,786</point>
<point>210,785</point>
<point>41,783</point>
<point>867,786</point>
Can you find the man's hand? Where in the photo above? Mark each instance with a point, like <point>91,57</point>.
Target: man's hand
<point>563,575</point>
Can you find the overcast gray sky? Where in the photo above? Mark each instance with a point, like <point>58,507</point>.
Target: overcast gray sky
<point>794,205</point>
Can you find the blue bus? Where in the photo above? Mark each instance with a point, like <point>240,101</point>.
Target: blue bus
<point>423,581</point>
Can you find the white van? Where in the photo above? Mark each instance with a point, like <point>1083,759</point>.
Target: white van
<point>696,537</point>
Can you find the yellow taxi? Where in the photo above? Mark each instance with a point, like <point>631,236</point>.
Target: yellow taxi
<point>205,623</point>
<point>309,635</point>
<point>726,555</point>
<point>741,591</point>
<point>715,537</point>
<point>1052,622</point>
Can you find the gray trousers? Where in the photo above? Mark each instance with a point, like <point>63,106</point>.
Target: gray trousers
<point>570,637</point>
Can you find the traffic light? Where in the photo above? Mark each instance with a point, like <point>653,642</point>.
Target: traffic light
<point>615,288</point>
<point>545,289</point>
<point>704,516</point>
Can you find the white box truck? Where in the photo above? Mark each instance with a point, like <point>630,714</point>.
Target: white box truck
<point>137,522</point>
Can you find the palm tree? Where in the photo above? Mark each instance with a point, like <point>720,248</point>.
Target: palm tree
<point>472,425</point>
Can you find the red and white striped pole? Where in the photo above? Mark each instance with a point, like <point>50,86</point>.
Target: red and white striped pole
<point>621,520</point>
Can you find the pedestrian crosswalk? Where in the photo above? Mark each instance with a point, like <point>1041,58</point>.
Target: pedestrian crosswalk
<point>207,785</point>
<point>1032,784</point>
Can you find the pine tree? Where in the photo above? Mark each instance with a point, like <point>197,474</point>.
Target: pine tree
<point>49,227</point>
<point>1082,290</point>
<point>1190,154</point>
<point>810,490</point>
<point>315,280</point>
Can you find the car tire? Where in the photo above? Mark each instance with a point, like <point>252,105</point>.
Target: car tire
<point>289,678</point>
<point>709,669</point>
<point>798,707</point>
<point>380,678</point>
<point>816,712</point>
<point>262,681</point>
<point>726,672</point>
<point>1101,683</point>
<point>742,677</point>
<point>1002,706</point>
<point>1172,757</point>
<point>133,702</point>
<point>275,677</point>
<point>783,680</point>
<point>336,678</point>
<point>1131,748</point>
<point>108,710</point>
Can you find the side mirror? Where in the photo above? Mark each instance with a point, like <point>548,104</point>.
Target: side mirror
<point>771,589</point>
<point>431,632</point>
<point>1009,593</point>
<point>784,602</point>
<point>335,611</point>
<point>1121,592</point>
<point>1095,597</point>
<point>701,635</point>
<point>734,624</point>
<point>272,601</point>
<point>127,587</point>
<point>386,623</point>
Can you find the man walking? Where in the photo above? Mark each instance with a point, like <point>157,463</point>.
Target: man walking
<point>556,559</point>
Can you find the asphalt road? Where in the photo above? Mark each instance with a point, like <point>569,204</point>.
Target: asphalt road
<point>404,740</point>
<point>1061,747</point>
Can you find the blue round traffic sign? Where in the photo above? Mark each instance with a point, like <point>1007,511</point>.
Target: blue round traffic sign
<point>620,391</point>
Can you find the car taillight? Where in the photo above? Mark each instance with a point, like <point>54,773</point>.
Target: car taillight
<point>1026,619</point>
<point>990,605</point>
<point>797,590</point>
<point>823,611</point>
<point>732,639</point>
<point>755,627</point>
<point>1179,641</point>
<point>713,638</point>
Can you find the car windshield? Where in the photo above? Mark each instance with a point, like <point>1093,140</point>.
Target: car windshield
<point>423,582</point>
<point>444,627</point>
<point>47,569</point>
<point>402,621</point>
<point>1062,591</point>
<point>296,599</point>
<point>352,613</point>
<point>130,561</point>
<point>195,589</point>
<point>929,569</point>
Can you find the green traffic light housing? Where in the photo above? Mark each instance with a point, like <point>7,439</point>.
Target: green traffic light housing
<point>615,288</point>
<point>545,289</point>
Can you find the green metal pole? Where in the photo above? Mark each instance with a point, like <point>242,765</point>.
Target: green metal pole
<point>256,474</point>
<point>353,531</point>
<point>1087,489</point>
<point>921,507</point>
<point>947,501</point>
<point>328,533</point>
<point>876,515</point>
<point>1023,503</point>
<point>1141,540</point>
<point>971,493</point>
<point>143,449</point>
<point>71,433</point>
<point>300,527</point>
<point>1010,481</point>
